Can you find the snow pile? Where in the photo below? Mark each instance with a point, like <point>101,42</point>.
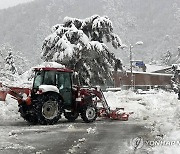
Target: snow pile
<point>9,110</point>
<point>145,106</point>
<point>171,126</point>
<point>127,100</point>
<point>160,111</point>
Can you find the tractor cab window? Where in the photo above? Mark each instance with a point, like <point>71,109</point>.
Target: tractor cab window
<point>38,79</point>
<point>49,78</point>
<point>64,80</point>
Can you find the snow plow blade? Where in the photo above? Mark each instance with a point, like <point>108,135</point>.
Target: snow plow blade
<point>105,111</point>
<point>117,114</point>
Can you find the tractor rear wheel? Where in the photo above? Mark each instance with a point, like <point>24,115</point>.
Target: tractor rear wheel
<point>49,107</point>
<point>27,113</point>
<point>89,114</point>
<point>71,116</point>
<point>32,119</point>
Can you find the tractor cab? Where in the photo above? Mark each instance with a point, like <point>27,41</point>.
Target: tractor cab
<point>55,77</point>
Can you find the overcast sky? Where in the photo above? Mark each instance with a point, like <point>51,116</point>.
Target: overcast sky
<point>9,3</point>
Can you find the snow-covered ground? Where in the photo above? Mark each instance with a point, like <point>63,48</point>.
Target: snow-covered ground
<point>9,110</point>
<point>160,110</point>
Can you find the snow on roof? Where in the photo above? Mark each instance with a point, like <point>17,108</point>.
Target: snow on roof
<point>177,66</point>
<point>50,64</point>
<point>137,72</point>
<point>153,68</point>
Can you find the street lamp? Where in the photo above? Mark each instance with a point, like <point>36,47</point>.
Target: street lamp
<point>131,61</point>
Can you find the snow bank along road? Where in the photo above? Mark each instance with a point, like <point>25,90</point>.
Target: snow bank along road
<point>156,118</point>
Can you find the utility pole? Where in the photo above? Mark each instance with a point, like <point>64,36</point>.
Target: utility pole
<point>130,50</point>
<point>131,61</point>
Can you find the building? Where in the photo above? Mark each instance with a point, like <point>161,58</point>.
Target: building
<point>158,78</point>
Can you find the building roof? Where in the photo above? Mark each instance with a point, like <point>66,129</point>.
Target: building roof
<point>155,68</point>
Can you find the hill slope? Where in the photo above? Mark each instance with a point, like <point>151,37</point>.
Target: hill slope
<point>156,23</point>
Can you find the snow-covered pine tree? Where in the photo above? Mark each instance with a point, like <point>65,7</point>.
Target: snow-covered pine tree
<point>9,62</point>
<point>175,80</point>
<point>8,71</point>
<point>177,58</point>
<point>167,58</point>
<point>79,45</point>
<point>20,62</point>
<point>1,60</point>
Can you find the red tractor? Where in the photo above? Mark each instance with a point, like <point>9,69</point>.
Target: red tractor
<point>53,93</point>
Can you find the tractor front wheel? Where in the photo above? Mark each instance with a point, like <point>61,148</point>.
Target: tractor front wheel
<point>89,114</point>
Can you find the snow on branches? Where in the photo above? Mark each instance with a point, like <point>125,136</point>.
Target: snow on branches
<point>80,43</point>
<point>175,80</point>
<point>77,34</point>
<point>10,62</point>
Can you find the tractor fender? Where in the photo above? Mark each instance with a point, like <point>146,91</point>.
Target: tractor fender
<point>51,93</point>
<point>48,88</point>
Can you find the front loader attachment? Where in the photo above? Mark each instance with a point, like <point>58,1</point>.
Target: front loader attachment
<point>20,94</point>
<point>3,93</point>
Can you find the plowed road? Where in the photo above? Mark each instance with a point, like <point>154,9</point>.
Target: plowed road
<point>101,137</point>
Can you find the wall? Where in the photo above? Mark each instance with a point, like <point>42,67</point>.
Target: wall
<point>142,79</point>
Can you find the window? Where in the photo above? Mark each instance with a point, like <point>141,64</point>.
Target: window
<point>38,79</point>
<point>49,78</point>
<point>64,80</point>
